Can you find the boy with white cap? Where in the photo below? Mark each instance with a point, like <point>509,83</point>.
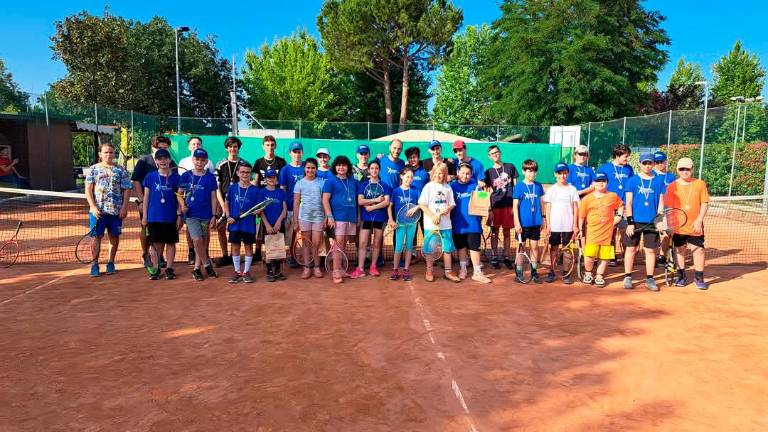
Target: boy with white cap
<point>581,175</point>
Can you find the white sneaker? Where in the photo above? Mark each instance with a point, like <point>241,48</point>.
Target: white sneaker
<point>479,277</point>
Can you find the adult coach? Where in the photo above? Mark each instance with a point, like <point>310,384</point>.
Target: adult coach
<point>581,175</point>
<point>269,162</point>
<point>436,153</point>
<point>226,175</point>
<point>145,165</point>
<point>691,195</point>
<point>501,177</point>
<point>391,165</point>
<point>460,150</point>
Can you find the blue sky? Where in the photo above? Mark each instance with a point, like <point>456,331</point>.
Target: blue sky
<point>701,31</point>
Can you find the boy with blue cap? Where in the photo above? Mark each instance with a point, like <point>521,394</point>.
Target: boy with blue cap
<point>272,217</point>
<point>643,200</point>
<point>289,176</point>
<point>436,152</point>
<point>562,210</point>
<point>161,215</point>
<point>660,168</point>
<point>360,170</point>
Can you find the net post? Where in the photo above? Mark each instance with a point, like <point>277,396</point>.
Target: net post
<point>669,131</point>
<point>369,131</point>
<point>624,132</point>
<point>48,127</point>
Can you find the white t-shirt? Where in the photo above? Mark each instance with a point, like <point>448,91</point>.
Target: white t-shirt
<point>437,197</point>
<point>187,164</point>
<point>561,199</point>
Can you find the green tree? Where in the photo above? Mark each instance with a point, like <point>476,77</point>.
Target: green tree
<point>738,73</point>
<point>571,61</point>
<point>684,93</point>
<point>291,79</point>
<point>12,99</point>
<point>127,64</point>
<point>458,97</point>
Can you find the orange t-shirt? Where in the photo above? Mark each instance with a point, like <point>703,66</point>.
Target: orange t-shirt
<point>599,212</point>
<point>688,196</point>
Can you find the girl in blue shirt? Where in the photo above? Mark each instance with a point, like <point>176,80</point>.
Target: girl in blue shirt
<point>402,196</point>
<point>340,206</point>
<point>373,215</point>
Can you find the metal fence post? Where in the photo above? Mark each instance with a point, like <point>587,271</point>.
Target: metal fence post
<point>624,131</point>
<point>669,131</point>
<point>48,126</point>
<point>369,131</point>
<point>733,153</point>
<point>589,135</point>
<point>299,128</point>
<point>130,139</point>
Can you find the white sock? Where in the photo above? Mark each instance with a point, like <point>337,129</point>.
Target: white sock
<point>236,262</point>
<point>463,265</point>
<point>248,261</point>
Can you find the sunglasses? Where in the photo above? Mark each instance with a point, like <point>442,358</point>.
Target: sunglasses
<point>323,156</point>
<point>458,150</point>
<point>582,154</point>
<point>296,151</point>
<point>647,163</point>
<point>364,153</point>
<point>683,169</point>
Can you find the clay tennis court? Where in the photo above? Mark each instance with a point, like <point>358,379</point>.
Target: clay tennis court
<point>125,353</point>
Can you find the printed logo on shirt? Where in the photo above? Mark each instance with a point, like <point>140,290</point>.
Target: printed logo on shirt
<point>464,195</point>
<point>582,174</point>
<point>391,170</point>
<point>645,190</point>
<point>620,175</point>
<point>531,195</point>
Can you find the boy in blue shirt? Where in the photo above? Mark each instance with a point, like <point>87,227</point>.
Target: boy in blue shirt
<point>288,176</point>
<point>644,199</point>
<point>241,196</point>
<point>272,218</point>
<point>581,175</point>
<point>161,214</point>
<point>199,209</point>
<point>528,198</point>
<point>467,228</point>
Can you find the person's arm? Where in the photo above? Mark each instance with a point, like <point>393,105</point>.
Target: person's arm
<point>698,224</point>
<point>92,208</point>
<point>547,216</point>
<point>327,209</point>
<point>138,192</point>
<point>628,199</point>
<point>280,218</point>
<point>544,218</point>
<point>296,204</point>
<point>516,213</point>
<point>126,200</point>
<point>576,227</point>
<point>144,207</point>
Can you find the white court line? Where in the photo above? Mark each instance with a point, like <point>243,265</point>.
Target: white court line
<point>441,355</point>
<point>31,290</point>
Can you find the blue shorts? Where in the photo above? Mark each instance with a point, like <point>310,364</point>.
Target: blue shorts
<point>447,242</point>
<point>111,223</point>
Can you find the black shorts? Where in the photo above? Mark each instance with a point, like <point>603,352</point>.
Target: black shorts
<point>469,241</point>
<point>371,225</point>
<point>560,238</point>
<point>650,238</point>
<point>680,240</point>
<point>260,234</point>
<point>237,237</point>
<point>531,233</point>
<point>163,232</point>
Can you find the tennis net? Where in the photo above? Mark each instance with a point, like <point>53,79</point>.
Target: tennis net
<point>736,229</point>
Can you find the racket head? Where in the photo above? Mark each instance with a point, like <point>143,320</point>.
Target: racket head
<point>336,260</point>
<point>260,206</point>
<point>674,219</point>
<point>523,267</point>
<point>9,253</point>
<point>403,216</point>
<point>301,250</point>
<point>373,191</point>
<point>566,260</point>
<point>152,263</point>
<point>433,245</point>
<point>84,248</point>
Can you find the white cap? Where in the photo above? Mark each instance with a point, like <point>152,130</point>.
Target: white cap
<point>322,150</point>
<point>581,149</point>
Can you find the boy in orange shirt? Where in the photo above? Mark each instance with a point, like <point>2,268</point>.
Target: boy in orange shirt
<point>691,195</point>
<point>599,211</point>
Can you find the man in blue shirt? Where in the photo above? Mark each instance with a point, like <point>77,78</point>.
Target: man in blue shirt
<point>581,175</point>
<point>289,175</point>
<point>460,150</point>
<point>391,165</point>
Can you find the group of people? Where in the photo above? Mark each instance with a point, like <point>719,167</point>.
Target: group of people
<point>320,198</point>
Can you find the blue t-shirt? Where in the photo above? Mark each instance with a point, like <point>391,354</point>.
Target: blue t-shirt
<point>478,171</point>
<point>581,177</point>
<point>289,175</point>
<point>390,171</point>
<point>529,209</point>
<point>400,198</point>
<point>667,176</point>
<point>325,175</point>
<point>240,200</point>
<point>461,221</point>
<point>200,188</point>
<point>420,178</point>
<point>272,212</point>
<point>343,198</point>
<point>162,202</point>
<point>379,215</point>
<point>645,197</point>
<point>617,177</point>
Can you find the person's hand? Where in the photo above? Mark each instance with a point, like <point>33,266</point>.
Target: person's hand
<point>184,208</point>
<point>295,225</point>
<point>698,227</point>
<point>330,223</point>
<point>179,223</point>
<point>436,220</point>
<point>259,212</point>
<point>616,220</point>
<point>144,221</point>
<point>123,212</point>
<point>230,220</point>
<point>392,224</point>
<point>15,161</point>
<point>411,211</point>
<point>95,212</point>
<point>481,185</point>
<point>370,208</point>
<point>630,230</point>
<point>212,222</point>
<point>518,229</point>
<point>544,231</point>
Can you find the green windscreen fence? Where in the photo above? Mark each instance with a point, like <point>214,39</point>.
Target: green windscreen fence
<point>546,155</point>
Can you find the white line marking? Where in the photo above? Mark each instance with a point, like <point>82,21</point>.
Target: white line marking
<point>440,355</point>
<point>8,300</point>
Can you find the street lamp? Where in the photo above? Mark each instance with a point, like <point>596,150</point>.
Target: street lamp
<point>178,30</point>
<point>703,125</point>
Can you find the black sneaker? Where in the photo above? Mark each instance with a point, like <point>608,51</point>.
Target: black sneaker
<point>508,263</point>
<point>567,280</point>
<point>235,278</point>
<point>292,263</point>
<point>163,264</point>
<point>535,278</point>
<point>247,278</point>
<point>270,277</point>
<point>170,274</point>
<point>612,263</point>
<point>224,261</point>
<point>495,263</point>
<point>191,257</point>
<point>155,276</point>
<point>210,271</point>
<point>661,261</point>
<point>550,277</point>
<point>197,274</point>
<point>280,276</point>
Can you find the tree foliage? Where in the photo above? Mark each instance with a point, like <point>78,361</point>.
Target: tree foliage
<point>571,61</point>
<point>682,92</point>
<point>458,97</point>
<point>12,99</point>
<point>291,79</point>
<point>738,73</point>
<point>127,64</point>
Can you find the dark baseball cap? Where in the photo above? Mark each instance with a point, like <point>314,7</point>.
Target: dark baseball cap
<point>162,153</point>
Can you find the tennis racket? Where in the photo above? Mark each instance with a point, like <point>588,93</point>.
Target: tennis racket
<point>11,248</point>
<point>152,264</point>
<point>372,191</point>
<point>84,248</point>
<point>337,260</point>
<point>570,259</point>
<point>260,206</point>
<point>523,262</point>
<point>433,245</point>
<point>301,250</point>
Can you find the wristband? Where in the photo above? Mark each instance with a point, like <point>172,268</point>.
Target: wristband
<point>630,220</point>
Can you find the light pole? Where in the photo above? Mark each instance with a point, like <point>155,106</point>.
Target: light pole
<point>739,100</point>
<point>178,30</point>
<point>703,126</point>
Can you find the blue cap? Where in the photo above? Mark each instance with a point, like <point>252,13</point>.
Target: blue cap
<point>200,153</point>
<point>434,143</point>
<point>601,176</point>
<point>270,172</point>
<point>659,156</point>
<point>162,153</point>
<point>362,148</point>
<point>646,157</point>
<point>295,146</point>
<point>561,167</point>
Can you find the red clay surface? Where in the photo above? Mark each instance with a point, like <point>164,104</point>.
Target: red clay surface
<point>124,353</point>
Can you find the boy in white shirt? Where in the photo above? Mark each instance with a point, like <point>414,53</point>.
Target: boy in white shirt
<point>562,209</point>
